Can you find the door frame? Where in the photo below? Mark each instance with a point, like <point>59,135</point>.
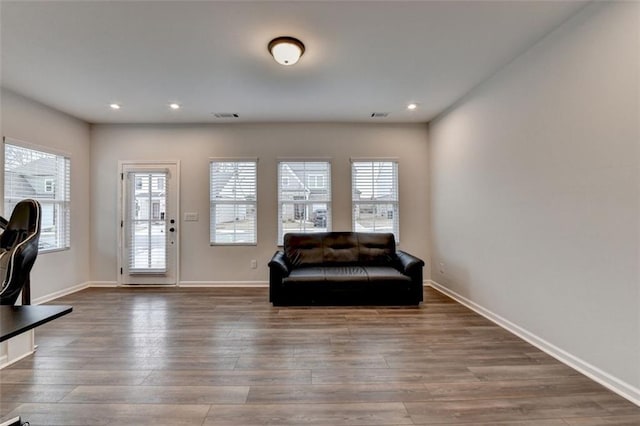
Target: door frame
<point>120,217</point>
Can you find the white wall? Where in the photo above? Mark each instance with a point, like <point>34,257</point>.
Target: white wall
<point>193,145</point>
<point>32,122</point>
<point>535,192</point>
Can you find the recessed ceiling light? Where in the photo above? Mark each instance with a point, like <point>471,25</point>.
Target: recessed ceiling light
<point>114,106</point>
<point>412,106</point>
<point>174,106</point>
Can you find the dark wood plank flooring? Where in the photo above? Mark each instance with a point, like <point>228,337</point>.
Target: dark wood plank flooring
<point>225,356</point>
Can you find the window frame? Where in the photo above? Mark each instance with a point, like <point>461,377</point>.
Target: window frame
<point>231,165</point>
<point>305,203</point>
<point>394,201</point>
<point>61,218</point>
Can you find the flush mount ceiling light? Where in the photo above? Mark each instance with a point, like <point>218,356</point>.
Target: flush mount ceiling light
<point>286,50</point>
<point>412,106</point>
<point>114,106</point>
<point>174,106</point>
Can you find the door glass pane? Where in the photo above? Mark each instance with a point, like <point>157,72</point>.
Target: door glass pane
<point>147,221</point>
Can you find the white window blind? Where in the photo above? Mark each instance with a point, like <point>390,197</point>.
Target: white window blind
<point>375,196</point>
<point>42,176</point>
<point>304,197</point>
<point>233,195</point>
<point>147,222</point>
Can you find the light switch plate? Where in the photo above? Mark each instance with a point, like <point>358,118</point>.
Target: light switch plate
<point>191,217</point>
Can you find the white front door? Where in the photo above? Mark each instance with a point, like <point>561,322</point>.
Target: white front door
<point>149,223</point>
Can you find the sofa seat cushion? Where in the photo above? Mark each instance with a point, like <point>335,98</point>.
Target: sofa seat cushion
<point>327,273</point>
<point>338,274</point>
<point>344,273</point>
<point>385,273</point>
<point>309,274</point>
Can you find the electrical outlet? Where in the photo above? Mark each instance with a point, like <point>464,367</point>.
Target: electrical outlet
<point>254,264</point>
<point>441,268</point>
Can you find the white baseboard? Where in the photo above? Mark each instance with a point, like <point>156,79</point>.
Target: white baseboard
<point>110,284</point>
<point>186,284</point>
<point>223,284</point>
<point>64,292</point>
<point>612,383</point>
<point>103,284</point>
<point>4,361</point>
<point>12,421</point>
<point>69,290</point>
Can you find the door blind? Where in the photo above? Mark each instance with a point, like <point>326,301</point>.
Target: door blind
<point>147,222</point>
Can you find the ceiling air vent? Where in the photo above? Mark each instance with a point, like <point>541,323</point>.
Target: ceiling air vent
<point>225,115</point>
<point>379,114</point>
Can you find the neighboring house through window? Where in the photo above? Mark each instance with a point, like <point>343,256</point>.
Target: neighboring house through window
<point>43,176</point>
<point>48,185</point>
<point>375,196</point>
<point>304,197</point>
<point>315,181</point>
<point>233,195</point>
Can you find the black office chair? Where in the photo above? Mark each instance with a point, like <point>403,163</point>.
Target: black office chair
<point>18,251</point>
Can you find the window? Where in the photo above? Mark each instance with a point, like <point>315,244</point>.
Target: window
<point>375,196</point>
<point>42,176</point>
<point>304,203</point>
<point>233,194</point>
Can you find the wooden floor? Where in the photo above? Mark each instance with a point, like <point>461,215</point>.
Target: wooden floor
<point>151,356</point>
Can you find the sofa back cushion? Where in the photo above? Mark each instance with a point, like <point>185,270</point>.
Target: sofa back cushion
<point>339,248</point>
<point>376,249</point>
<point>303,249</point>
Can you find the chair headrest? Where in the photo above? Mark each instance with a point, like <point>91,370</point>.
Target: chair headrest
<point>25,216</point>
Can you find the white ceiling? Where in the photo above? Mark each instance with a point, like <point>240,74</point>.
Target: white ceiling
<point>361,57</point>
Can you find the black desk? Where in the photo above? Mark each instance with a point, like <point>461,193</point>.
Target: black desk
<point>15,320</point>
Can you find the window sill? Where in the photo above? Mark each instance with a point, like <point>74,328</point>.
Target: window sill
<point>53,250</point>
<point>233,244</point>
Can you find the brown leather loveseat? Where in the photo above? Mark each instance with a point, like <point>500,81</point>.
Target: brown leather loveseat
<point>344,268</point>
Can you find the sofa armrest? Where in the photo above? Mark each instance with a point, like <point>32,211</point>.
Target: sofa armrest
<point>278,270</point>
<point>409,264</point>
<point>412,267</point>
<point>279,263</point>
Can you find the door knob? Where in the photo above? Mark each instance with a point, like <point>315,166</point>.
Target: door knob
<point>172,229</point>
